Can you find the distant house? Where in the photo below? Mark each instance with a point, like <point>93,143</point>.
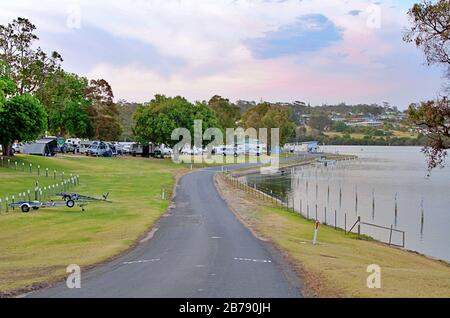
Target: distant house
<point>308,146</point>
<point>41,147</point>
<point>369,123</point>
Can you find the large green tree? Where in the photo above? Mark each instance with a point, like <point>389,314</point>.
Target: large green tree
<point>320,121</point>
<point>265,115</point>
<point>22,118</point>
<point>430,31</point>
<point>27,65</point>
<point>64,97</point>
<point>7,86</point>
<point>227,113</point>
<point>104,113</point>
<point>155,121</point>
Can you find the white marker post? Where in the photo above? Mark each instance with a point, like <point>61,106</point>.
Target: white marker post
<point>315,232</point>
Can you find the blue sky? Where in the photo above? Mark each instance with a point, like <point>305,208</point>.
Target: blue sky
<point>309,33</point>
<point>327,51</point>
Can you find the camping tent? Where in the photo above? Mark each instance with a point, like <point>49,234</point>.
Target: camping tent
<point>41,147</point>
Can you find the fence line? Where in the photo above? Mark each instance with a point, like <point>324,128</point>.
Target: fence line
<point>278,201</point>
<point>29,168</point>
<point>40,193</point>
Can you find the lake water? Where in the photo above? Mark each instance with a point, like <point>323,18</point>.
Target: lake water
<point>386,186</point>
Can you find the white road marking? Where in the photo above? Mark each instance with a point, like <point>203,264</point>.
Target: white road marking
<point>199,265</point>
<point>252,260</point>
<point>141,261</point>
<point>215,237</point>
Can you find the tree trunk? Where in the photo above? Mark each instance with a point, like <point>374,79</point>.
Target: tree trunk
<point>7,149</point>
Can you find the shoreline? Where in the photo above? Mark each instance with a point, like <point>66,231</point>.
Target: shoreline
<point>291,233</point>
<point>251,171</point>
<point>279,206</point>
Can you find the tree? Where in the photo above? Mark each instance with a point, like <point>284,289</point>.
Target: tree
<point>434,118</point>
<point>265,115</point>
<point>22,118</point>
<point>64,97</point>
<point>201,111</point>
<point>430,31</point>
<point>227,113</point>
<point>155,121</point>
<point>279,117</point>
<point>26,66</point>
<point>7,86</point>
<point>340,126</point>
<point>320,121</point>
<point>104,113</point>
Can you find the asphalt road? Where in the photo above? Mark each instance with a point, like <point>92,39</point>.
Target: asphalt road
<point>200,249</point>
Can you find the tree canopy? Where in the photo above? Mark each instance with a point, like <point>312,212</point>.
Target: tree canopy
<point>320,121</point>
<point>104,113</point>
<point>27,66</point>
<point>265,115</point>
<point>22,118</point>
<point>227,113</point>
<point>155,121</point>
<point>64,96</point>
<point>430,31</point>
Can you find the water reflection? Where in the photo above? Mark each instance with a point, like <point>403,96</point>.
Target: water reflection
<point>385,186</point>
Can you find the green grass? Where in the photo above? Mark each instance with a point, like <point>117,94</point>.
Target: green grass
<point>336,266</point>
<point>395,133</point>
<point>38,246</point>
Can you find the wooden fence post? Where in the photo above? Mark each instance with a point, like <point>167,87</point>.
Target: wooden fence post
<point>359,226</point>
<point>390,236</point>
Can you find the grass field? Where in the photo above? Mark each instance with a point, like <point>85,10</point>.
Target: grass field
<point>395,133</point>
<point>38,246</point>
<point>336,267</point>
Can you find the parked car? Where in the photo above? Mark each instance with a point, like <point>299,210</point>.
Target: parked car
<point>136,149</point>
<point>158,154</point>
<point>229,151</point>
<point>113,147</point>
<point>126,149</point>
<point>84,146</point>
<point>68,148</point>
<point>99,149</point>
<point>17,147</point>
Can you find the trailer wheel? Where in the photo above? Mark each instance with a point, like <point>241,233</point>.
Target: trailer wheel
<point>70,203</point>
<point>25,208</point>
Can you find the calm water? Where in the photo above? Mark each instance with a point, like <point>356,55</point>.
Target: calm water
<point>382,183</point>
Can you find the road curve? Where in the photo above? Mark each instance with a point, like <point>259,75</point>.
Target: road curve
<point>199,250</point>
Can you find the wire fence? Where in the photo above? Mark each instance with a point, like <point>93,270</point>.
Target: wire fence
<point>38,193</point>
<point>31,169</point>
<point>312,211</point>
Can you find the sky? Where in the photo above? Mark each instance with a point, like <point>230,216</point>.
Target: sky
<point>321,51</point>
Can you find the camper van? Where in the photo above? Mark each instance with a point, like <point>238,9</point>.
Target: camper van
<point>84,146</point>
<point>136,149</point>
<point>99,149</point>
